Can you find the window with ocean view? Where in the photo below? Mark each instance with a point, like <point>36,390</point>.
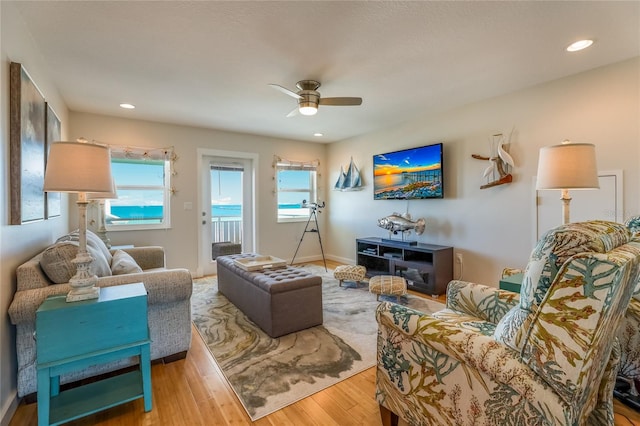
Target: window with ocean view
<point>296,183</point>
<point>143,194</point>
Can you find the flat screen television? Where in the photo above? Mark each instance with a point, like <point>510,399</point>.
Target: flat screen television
<point>414,173</point>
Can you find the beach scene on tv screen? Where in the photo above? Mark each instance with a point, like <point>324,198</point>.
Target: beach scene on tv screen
<point>412,173</point>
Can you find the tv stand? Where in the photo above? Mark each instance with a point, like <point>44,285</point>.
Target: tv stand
<point>428,268</point>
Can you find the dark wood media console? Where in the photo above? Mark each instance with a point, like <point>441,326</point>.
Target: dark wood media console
<point>428,268</point>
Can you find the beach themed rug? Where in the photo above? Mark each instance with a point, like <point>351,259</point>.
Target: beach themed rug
<point>268,374</point>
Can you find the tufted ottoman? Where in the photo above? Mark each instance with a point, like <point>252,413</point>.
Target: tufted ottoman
<point>280,300</point>
<point>224,248</point>
<point>354,273</point>
<point>388,285</point>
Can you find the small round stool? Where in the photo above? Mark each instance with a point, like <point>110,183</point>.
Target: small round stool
<point>354,273</point>
<point>388,285</point>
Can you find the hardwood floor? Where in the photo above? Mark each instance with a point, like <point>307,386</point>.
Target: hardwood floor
<point>193,391</point>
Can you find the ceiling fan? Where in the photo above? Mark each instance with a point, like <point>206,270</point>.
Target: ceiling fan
<point>309,98</point>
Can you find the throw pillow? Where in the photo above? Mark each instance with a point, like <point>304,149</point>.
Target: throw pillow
<point>123,263</point>
<point>92,241</point>
<point>56,262</point>
<point>57,266</point>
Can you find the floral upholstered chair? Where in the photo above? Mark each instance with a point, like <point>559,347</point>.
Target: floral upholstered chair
<point>628,387</point>
<point>548,357</point>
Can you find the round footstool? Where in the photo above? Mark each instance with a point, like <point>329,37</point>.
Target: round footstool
<point>354,273</point>
<point>388,285</point>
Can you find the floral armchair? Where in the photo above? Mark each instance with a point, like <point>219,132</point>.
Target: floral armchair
<point>547,357</point>
<point>628,386</point>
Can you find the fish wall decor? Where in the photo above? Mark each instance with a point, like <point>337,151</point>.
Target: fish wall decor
<point>397,222</point>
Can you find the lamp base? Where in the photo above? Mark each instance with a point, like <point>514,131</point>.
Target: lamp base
<point>83,283</point>
<point>102,233</point>
<point>76,295</point>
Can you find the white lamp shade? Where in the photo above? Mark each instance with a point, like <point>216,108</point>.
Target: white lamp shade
<point>111,195</point>
<point>78,167</point>
<point>568,166</point>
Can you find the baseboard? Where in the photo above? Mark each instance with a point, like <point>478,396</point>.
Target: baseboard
<point>305,259</point>
<point>9,409</point>
<point>339,259</point>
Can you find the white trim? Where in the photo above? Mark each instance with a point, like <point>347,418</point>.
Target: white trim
<point>166,200</point>
<point>201,153</point>
<point>9,409</point>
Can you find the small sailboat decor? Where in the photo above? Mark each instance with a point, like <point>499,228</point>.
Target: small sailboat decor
<point>349,181</point>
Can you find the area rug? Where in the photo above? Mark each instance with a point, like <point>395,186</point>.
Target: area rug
<point>268,374</point>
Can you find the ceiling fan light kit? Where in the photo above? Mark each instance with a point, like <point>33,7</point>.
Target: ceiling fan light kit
<point>309,98</point>
<point>307,108</point>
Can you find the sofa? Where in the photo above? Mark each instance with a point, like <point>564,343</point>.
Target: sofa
<point>169,293</point>
<point>548,357</point>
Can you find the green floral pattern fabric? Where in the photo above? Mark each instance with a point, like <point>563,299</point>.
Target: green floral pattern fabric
<point>629,336</point>
<point>476,307</point>
<point>448,369</point>
<point>551,252</point>
<point>633,223</point>
<point>629,333</point>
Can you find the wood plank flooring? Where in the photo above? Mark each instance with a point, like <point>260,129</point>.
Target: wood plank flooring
<point>193,391</point>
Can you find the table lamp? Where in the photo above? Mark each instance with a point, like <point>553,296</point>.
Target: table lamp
<point>567,166</point>
<point>79,167</point>
<point>101,197</point>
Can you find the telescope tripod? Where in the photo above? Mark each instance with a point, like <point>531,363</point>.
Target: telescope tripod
<point>314,230</point>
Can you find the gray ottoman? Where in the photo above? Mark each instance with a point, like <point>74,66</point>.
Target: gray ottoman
<point>224,248</point>
<point>280,301</point>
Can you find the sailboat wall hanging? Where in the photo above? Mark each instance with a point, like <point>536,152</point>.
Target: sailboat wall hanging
<point>349,181</point>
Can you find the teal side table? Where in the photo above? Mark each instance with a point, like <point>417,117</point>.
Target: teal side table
<point>73,336</point>
<point>512,283</point>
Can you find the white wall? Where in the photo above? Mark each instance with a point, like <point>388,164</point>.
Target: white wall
<point>493,228</point>
<point>19,243</point>
<point>181,241</point>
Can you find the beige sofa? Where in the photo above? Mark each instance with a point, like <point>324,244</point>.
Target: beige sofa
<point>169,310</point>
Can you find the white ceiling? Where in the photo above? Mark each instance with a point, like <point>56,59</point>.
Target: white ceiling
<point>208,64</point>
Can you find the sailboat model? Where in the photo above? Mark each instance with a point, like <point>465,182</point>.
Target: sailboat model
<point>340,183</point>
<point>349,181</point>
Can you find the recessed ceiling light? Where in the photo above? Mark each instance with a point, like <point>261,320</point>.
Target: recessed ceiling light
<point>127,106</point>
<point>579,45</point>
<point>318,134</point>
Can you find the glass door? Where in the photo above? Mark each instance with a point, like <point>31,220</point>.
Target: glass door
<point>227,217</point>
<point>226,208</point>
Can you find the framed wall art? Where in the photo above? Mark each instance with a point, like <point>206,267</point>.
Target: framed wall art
<point>26,146</point>
<point>52,199</point>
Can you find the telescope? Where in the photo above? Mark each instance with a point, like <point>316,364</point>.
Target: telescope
<point>314,210</point>
<point>313,206</point>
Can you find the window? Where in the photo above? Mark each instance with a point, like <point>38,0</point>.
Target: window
<point>296,184</point>
<point>143,187</point>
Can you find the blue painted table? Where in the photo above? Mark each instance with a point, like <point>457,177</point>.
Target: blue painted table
<point>512,283</point>
<point>73,336</point>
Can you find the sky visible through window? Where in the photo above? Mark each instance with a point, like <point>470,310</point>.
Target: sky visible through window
<point>226,189</point>
<point>132,174</point>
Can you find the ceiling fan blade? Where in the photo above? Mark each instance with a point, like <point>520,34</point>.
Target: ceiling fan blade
<point>285,91</point>
<point>340,101</point>
<point>296,111</point>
